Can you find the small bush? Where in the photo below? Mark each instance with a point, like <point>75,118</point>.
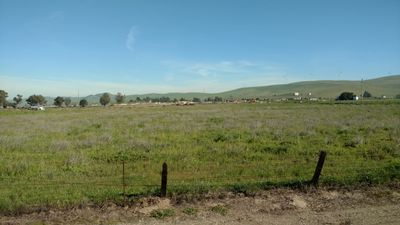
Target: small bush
<point>162,213</point>
<point>220,209</point>
<point>190,211</point>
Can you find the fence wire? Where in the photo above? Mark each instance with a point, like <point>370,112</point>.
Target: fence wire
<point>184,178</point>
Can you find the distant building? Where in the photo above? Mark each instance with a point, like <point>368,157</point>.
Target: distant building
<point>355,97</point>
<point>296,93</point>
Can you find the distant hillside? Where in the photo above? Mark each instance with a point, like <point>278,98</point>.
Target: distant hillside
<point>388,86</point>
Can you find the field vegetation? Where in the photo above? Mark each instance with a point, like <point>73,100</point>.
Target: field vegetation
<point>67,157</point>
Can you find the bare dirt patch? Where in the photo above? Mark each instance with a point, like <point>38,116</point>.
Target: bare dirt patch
<point>278,206</point>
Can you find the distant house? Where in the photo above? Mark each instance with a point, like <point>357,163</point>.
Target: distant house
<point>296,94</point>
<point>37,107</point>
<point>355,97</point>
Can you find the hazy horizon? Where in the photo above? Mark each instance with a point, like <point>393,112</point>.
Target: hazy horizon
<point>57,48</point>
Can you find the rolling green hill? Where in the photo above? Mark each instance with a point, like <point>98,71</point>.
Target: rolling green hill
<point>388,86</point>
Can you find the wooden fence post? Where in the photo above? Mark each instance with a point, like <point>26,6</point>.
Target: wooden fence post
<point>123,179</point>
<point>318,169</point>
<point>164,175</point>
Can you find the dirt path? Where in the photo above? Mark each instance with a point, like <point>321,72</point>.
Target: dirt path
<point>281,206</point>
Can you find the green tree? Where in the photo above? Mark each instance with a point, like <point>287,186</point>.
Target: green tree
<point>366,94</point>
<point>105,99</point>
<point>58,101</point>
<point>67,101</point>
<point>138,99</point>
<point>346,96</point>
<point>164,99</point>
<point>217,99</point>
<point>120,98</point>
<point>36,100</point>
<point>83,103</point>
<point>17,99</point>
<point>196,99</point>
<point>146,99</point>
<point>397,96</point>
<point>3,98</point>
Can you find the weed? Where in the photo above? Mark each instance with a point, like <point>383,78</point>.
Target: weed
<point>190,211</point>
<point>220,209</point>
<point>162,213</point>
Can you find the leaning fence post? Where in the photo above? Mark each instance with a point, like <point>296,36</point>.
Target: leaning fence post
<point>318,169</point>
<point>164,175</point>
<point>123,179</point>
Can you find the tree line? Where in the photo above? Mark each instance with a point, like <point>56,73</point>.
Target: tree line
<point>105,99</point>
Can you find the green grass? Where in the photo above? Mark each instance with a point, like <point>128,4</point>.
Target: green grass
<point>190,211</point>
<point>65,157</point>
<point>162,213</point>
<point>220,209</point>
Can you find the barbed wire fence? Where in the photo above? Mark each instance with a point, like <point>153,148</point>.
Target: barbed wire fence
<point>174,179</point>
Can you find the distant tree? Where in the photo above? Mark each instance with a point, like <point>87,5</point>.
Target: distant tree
<point>397,96</point>
<point>366,94</point>
<point>105,99</point>
<point>119,98</point>
<point>131,101</point>
<point>67,101</point>
<point>17,99</point>
<point>36,100</point>
<point>58,101</point>
<point>195,99</point>
<point>217,99</point>
<point>147,99</point>
<point>209,99</point>
<point>138,99</point>
<point>346,96</point>
<point>165,99</point>
<point>175,100</point>
<point>182,99</point>
<point>3,98</point>
<point>83,103</point>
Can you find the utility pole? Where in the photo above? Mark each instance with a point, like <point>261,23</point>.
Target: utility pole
<point>362,94</point>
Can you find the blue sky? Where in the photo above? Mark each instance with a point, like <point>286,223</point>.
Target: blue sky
<point>58,47</point>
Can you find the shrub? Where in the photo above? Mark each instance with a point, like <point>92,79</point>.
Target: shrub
<point>346,96</point>
<point>83,103</point>
<point>162,213</point>
<point>190,211</point>
<point>220,209</point>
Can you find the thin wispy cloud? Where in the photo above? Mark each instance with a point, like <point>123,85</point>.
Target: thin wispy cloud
<point>131,38</point>
<point>51,19</point>
<point>225,75</point>
<point>222,68</point>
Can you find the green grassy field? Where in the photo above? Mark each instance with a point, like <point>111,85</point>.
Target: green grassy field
<point>67,157</point>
